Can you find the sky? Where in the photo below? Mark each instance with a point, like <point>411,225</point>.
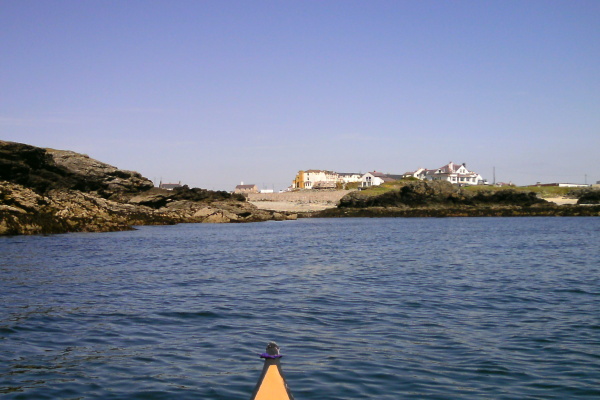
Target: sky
<point>215,93</point>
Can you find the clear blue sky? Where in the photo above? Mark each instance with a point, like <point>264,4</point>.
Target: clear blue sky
<point>217,92</point>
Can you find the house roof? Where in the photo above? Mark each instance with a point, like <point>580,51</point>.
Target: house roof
<point>245,186</point>
<point>395,177</point>
<point>451,168</point>
<point>386,177</point>
<point>418,170</point>
<point>378,174</point>
<point>319,170</point>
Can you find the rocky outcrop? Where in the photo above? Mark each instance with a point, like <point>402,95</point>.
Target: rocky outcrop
<point>23,211</point>
<point>439,194</point>
<point>441,199</point>
<point>56,191</point>
<point>589,196</point>
<point>45,169</point>
<point>110,180</point>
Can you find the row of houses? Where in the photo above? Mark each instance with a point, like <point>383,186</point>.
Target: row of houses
<point>319,179</point>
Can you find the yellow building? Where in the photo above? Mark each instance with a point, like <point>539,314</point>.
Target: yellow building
<point>298,182</point>
<point>307,179</point>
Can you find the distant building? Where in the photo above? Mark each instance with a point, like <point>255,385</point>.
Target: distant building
<point>241,188</point>
<point>454,173</point>
<point>306,179</point>
<point>322,179</point>
<point>573,185</point>
<point>377,178</point>
<point>169,186</point>
<point>349,177</point>
<point>419,174</point>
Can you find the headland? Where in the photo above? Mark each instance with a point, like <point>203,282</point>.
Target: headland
<point>45,191</point>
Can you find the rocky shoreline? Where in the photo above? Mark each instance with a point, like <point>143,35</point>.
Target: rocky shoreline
<point>549,210</point>
<point>45,191</point>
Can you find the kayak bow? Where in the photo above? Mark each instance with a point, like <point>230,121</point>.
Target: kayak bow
<point>271,384</point>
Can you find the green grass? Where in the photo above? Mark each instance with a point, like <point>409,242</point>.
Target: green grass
<point>383,188</point>
<point>542,191</point>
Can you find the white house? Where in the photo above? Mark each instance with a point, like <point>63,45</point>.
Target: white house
<point>349,177</point>
<point>454,173</point>
<point>377,178</point>
<point>573,185</point>
<point>419,174</point>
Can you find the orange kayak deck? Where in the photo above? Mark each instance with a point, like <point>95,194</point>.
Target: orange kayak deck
<point>272,384</point>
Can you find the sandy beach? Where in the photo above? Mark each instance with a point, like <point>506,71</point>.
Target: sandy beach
<point>291,206</point>
<point>302,201</point>
<point>561,200</point>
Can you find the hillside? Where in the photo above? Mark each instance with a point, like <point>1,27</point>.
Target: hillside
<point>56,191</point>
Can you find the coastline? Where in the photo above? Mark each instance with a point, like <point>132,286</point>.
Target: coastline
<point>312,203</point>
<point>44,191</point>
<point>550,210</point>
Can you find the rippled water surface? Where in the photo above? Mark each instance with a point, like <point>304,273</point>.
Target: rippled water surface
<point>497,308</point>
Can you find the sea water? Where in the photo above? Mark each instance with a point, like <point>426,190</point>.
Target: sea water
<point>469,308</point>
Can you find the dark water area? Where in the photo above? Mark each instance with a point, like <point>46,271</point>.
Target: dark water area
<point>469,308</point>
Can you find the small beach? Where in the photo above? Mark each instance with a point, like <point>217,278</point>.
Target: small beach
<point>290,206</point>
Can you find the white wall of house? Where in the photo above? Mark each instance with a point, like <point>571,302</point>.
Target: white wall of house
<point>313,176</point>
<point>453,173</point>
<point>573,185</point>
<point>368,180</point>
<point>349,178</point>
